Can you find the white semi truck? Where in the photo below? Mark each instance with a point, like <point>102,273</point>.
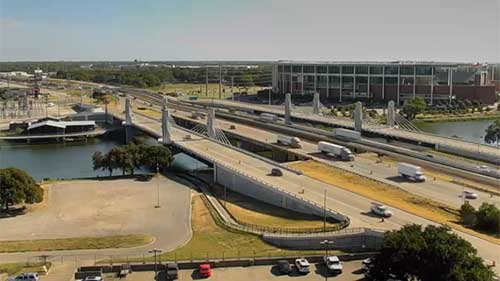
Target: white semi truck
<point>268,117</point>
<point>289,141</point>
<point>411,171</point>
<point>339,151</point>
<point>346,134</point>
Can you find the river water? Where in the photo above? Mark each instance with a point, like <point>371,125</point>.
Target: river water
<point>467,130</point>
<point>70,160</point>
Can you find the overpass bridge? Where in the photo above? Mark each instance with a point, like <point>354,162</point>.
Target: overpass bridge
<point>451,145</point>
<point>249,175</point>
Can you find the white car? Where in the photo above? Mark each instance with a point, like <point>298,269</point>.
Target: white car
<point>381,210</point>
<point>302,265</point>
<point>25,277</point>
<point>484,168</point>
<point>470,194</point>
<point>51,104</point>
<point>333,264</point>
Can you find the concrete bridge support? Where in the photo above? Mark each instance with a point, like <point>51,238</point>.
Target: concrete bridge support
<point>358,116</point>
<point>166,127</point>
<point>129,132</point>
<point>211,124</point>
<point>316,104</point>
<point>288,109</point>
<point>391,114</point>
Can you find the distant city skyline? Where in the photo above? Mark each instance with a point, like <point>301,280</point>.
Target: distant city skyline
<point>322,30</point>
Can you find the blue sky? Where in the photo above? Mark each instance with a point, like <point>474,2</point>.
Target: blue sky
<point>440,30</point>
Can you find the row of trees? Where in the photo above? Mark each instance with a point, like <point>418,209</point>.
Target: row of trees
<point>144,77</point>
<point>16,187</point>
<point>130,157</point>
<point>433,253</point>
<point>486,218</point>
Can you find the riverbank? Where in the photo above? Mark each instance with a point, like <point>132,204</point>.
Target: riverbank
<point>457,118</point>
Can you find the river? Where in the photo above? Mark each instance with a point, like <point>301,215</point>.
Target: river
<point>70,160</point>
<point>467,130</point>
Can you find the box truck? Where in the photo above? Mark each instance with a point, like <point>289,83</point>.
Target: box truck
<point>411,171</point>
<point>346,134</point>
<point>336,150</point>
<point>289,141</point>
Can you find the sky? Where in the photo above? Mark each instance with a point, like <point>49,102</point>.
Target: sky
<point>324,30</point>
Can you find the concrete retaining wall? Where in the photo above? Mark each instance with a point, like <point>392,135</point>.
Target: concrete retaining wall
<point>351,239</point>
<point>269,194</point>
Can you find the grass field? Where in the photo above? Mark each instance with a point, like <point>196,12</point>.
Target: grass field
<point>199,90</point>
<point>252,211</point>
<point>122,241</point>
<point>16,268</point>
<point>215,242</point>
<point>389,195</point>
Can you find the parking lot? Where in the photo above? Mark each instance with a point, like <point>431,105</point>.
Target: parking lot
<point>352,271</point>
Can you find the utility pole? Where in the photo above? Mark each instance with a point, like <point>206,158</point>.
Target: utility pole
<point>324,212</point>
<point>270,102</point>
<point>326,242</point>
<point>206,81</point>
<point>157,185</point>
<point>232,92</point>
<point>155,252</point>
<point>220,81</point>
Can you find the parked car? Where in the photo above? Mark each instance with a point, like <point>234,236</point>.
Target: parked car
<point>302,265</point>
<point>333,264</point>
<point>367,264</point>
<point>284,267</point>
<point>381,210</point>
<point>470,194</point>
<point>25,277</point>
<point>205,270</point>
<point>172,271</point>
<point>276,172</point>
<point>93,278</point>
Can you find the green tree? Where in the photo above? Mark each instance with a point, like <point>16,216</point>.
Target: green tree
<point>123,158</point>
<point>104,162</point>
<point>467,214</point>
<point>157,154</point>
<point>414,107</point>
<point>16,186</point>
<point>432,254</point>
<point>488,218</point>
<point>493,133</point>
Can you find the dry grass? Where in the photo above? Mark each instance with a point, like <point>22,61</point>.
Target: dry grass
<point>213,241</point>
<point>195,90</point>
<point>121,241</point>
<point>251,211</point>
<point>16,268</point>
<point>389,195</point>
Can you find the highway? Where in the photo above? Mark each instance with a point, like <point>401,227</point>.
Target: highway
<point>350,204</point>
<point>416,136</point>
<point>438,190</point>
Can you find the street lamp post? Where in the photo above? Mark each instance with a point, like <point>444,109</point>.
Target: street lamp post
<point>155,252</point>
<point>326,243</point>
<point>157,185</point>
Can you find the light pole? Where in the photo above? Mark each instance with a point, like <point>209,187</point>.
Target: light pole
<point>324,212</point>
<point>157,185</point>
<point>326,243</point>
<point>155,252</point>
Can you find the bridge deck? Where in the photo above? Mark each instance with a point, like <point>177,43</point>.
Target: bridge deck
<point>380,129</point>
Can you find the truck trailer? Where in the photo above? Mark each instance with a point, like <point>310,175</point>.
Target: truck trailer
<point>411,171</point>
<point>339,151</point>
<point>346,134</point>
<point>289,141</point>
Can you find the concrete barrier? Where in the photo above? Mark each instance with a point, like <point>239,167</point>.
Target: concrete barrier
<point>350,239</point>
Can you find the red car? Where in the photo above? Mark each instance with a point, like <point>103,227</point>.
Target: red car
<point>205,270</point>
